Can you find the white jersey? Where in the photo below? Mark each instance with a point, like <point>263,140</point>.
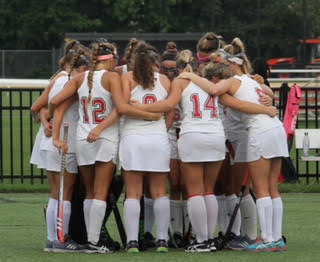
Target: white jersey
<point>199,111</point>
<point>251,91</point>
<point>135,126</point>
<point>71,117</point>
<point>93,113</point>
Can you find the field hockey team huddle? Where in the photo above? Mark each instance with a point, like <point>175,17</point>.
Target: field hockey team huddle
<point>203,122</point>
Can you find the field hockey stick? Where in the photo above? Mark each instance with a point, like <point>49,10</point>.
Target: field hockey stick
<point>60,217</point>
<point>237,206</point>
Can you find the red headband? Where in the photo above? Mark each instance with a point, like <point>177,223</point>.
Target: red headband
<point>202,58</point>
<point>105,57</point>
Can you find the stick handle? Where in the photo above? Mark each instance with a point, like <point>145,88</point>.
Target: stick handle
<point>61,189</point>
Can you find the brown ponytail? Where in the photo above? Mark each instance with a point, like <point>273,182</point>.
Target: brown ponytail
<point>145,58</point>
<point>208,43</point>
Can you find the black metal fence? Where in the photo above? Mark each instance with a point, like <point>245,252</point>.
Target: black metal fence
<point>18,131</point>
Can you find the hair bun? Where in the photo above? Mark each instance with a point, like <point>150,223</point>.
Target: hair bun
<point>171,45</point>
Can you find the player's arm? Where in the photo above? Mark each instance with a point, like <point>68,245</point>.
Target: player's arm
<point>45,120</point>
<point>42,101</point>
<point>214,89</point>
<point>120,90</point>
<point>247,107</point>
<point>57,122</point>
<point>166,105</point>
<point>69,90</point>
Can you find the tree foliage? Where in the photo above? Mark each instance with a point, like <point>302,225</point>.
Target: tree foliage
<point>36,24</point>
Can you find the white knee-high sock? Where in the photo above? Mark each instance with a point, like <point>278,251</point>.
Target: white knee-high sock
<point>66,216</point>
<point>212,214</point>
<point>277,205</point>
<point>148,214</point>
<point>186,219</point>
<point>248,217</point>
<point>231,202</point>
<point>131,218</point>
<point>264,206</point>
<point>86,212</point>
<point>176,211</point>
<point>51,218</point>
<point>161,209</point>
<point>97,212</point>
<point>222,213</point>
<point>198,217</point>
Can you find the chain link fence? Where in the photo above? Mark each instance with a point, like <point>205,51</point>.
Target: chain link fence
<point>35,64</point>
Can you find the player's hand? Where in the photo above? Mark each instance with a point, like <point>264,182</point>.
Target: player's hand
<point>137,104</point>
<point>94,134</point>
<point>273,111</point>
<point>265,100</point>
<point>48,129</point>
<point>258,78</point>
<point>62,146</point>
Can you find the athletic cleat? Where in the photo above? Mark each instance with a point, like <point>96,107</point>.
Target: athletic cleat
<point>162,246</point>
<point>196,247</point>
<point>229,238</point>
<point>132,247</point>
<point>149,240</point>
<point>219,241</point>
<point>69,246</point>
<point>240,243</point>
<point>260,246</point>
<point>49,246</point>
<point>212,245</point>
<point>280,245</point>
<point>98,248</point>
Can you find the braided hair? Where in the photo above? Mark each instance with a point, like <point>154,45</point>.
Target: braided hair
<point>98,49</point>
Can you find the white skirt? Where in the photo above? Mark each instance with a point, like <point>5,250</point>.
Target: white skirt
<point>102,150</point>
<point>269,144</point>
<point>149,153</point>
<point>201,147</point>
<point>36,157</point>
<point>53,161</point>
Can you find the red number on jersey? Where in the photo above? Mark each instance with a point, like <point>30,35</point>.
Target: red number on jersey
<point>259,92</point>
<point>210,105</point>
<point>83,102</point>
<point>149,99</point>
<point>99,108</point>
<point>196,106</point>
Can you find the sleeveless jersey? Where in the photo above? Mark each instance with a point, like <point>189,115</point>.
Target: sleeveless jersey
<point>70,117</point>
<point>135,126</point>
<point>93,113</point>
<point>251,91</point>
<point>199,111</point>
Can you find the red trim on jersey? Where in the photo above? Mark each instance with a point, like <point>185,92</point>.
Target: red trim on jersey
<point>194,195</point>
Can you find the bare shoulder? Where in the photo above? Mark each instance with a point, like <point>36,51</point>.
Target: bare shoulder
<point>127,76</point>
<point>165,81</point>
<point>183,83</point>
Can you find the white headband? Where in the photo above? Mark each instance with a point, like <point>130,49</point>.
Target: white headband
<point>235,59</point>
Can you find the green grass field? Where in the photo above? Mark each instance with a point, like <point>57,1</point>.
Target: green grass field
<point>23,234</point>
